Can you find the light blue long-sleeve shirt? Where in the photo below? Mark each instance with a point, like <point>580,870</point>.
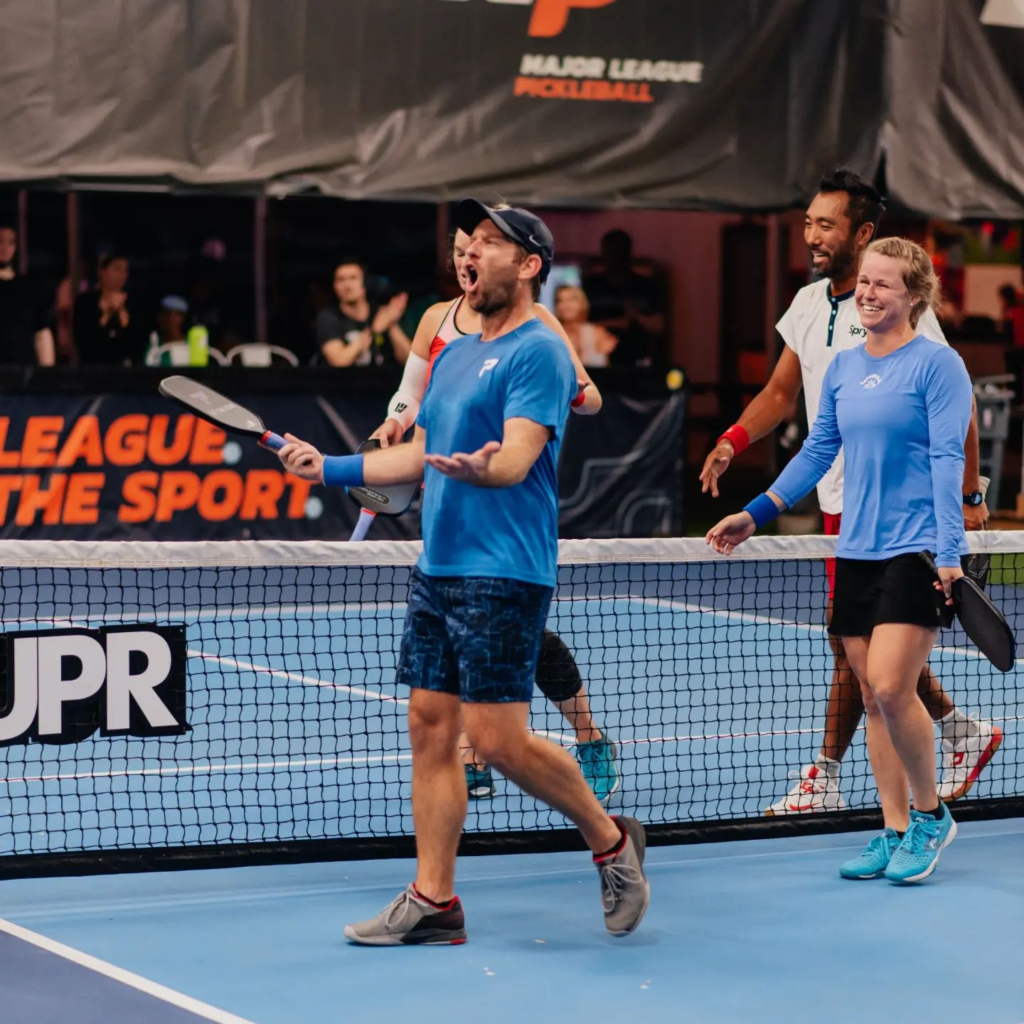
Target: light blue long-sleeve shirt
<point>902,420</point>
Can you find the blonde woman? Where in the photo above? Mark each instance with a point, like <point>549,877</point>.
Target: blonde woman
<point>593,344</point>
<point>899,405</point>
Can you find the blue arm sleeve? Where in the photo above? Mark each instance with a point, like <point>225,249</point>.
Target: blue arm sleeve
<point>948,402</point>
<point>820,449</point>
<point>541,385</point>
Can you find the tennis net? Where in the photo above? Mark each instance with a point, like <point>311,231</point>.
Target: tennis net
<point>210,702</point>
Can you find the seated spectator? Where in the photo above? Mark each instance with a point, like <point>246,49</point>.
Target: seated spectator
<point>170,319</point>
<point>25,335</point>
<point>629,304</point>
<point>592,342</point>
<point>1013,314</point>
<point>104,328</point>
<point>357,332</point>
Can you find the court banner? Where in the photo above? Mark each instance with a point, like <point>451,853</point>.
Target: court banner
<point>136,467</point>
<point>623,102</point>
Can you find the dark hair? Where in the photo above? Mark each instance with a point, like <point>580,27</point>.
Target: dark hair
<point>618,237</point>
<point>108,257</point>
<point>350,261</point>
<point>865,204</point>
<point>1007,293</point>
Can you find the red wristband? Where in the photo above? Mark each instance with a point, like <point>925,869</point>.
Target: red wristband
<point>737,437</point>
<point>579,399</point>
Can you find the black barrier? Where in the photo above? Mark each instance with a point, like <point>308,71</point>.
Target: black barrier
<point>99,455</point>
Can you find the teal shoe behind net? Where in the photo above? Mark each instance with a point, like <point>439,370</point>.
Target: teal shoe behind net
<point>597,762</point>
<point>479,782</point>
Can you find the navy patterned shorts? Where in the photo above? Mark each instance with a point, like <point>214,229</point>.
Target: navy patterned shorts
<point>477,638</point>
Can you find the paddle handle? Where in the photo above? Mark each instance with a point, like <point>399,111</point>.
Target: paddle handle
<point>366,518</point>
<point>275,442</point>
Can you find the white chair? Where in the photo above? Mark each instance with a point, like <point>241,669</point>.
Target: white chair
<point>256,353</point>
<point>178,355</point>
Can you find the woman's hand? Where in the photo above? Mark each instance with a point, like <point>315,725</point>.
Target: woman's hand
<point>947,575</point>
<point>388,433</point>
<point>731,532</point>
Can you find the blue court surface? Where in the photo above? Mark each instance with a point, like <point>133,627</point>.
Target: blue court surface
<point>711,678</point>
<point>737,932</point>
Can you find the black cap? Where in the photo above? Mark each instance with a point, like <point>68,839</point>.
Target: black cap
<point>520,226</point>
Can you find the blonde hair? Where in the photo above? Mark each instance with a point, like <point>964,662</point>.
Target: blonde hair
<point>581,297</point>
<point>918,273</point>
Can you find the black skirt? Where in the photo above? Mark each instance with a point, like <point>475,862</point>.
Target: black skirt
<point>900,589</point>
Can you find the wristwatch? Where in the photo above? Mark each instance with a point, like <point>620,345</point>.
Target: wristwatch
<point>974,498</point>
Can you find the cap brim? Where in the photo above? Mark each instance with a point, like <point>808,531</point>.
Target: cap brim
<point>470,212</point>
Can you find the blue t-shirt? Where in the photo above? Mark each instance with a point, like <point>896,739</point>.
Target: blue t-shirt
<point>475,386</point>
<point>902,420</point>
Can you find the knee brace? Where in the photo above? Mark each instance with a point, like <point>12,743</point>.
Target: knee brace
<point>558,676</point>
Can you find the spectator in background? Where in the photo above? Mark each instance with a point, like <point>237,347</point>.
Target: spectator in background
<point>592,342</point>
<point>170,319</point>
<point>357,332</point>
<point>214,302</point>
<point>25,335</point>
<point>1013,314</point>
<point>65,307</point>
<point>630,305</point>
<point>104,325</point>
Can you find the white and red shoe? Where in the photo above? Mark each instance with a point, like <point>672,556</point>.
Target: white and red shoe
<point>964,759</point>
<point>815,792</point>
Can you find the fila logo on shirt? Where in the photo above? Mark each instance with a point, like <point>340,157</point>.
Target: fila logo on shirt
<point>62,685</point>
<point>489,364</point>
<point>872,380</point>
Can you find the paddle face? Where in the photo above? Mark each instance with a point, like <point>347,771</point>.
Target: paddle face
<point>984,623</point>
<point>218,409</point>
<point>212,406</point>
<point>385,501</point>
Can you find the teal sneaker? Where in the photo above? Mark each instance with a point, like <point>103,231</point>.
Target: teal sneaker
<point>597,762</point>
<point>874,858</point>
<point>917,855</point>
<point>479,782</point>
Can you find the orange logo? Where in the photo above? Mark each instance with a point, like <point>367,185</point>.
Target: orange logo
<point>551,16</point>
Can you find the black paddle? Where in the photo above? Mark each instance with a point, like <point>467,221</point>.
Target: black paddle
<point>984,623</point>
<point>385,501</point>
<point>215,407</point>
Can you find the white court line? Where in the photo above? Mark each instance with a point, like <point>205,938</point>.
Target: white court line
<point>213,769</point>
<point>355,690</point>
<point>297,677</point>
<point>759,620</point>
<point>150,988</point>
<point>260,612</point>
<point>310,610</point>
<point>382,759</point>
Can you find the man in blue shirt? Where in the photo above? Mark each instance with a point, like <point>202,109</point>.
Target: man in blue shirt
<point>487,439</point>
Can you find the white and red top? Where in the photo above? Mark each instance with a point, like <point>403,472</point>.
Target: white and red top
<point>448,331</point>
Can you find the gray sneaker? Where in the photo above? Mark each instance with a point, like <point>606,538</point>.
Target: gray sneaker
<point>625,891</point>
<point>409,920</point>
